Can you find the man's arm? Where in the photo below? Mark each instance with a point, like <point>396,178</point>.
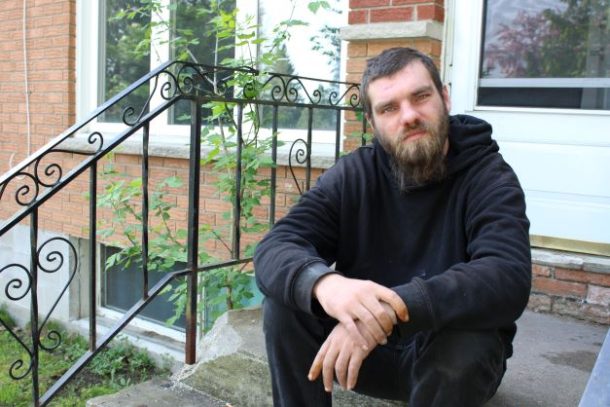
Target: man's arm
<point>293,259</point>
<point>490,290</point>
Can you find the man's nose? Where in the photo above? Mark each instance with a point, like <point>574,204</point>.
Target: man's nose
<point>408,115</point>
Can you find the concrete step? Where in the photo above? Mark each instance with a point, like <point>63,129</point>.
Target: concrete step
<point>157,393</point>
<point>553,359</point>
<point>233,365</point>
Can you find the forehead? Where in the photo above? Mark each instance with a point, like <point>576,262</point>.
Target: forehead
<point>409,79</point>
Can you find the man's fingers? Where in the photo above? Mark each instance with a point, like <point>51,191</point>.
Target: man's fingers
<point>328,367</point>
<point>353,369</point>
<point>398,305</point>
<point>316,366</point>
<point>380,314</point>
<point>355,334</point>
<point>341,366</point>
<point>370,324</point>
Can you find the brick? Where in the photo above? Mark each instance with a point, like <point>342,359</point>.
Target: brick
<point>598,295</point>
<point>397,14</point>
<point>541,271</point>
<point>408,2</point>
<point>596,313</point>
<point>376,47</point>
<point>356,65</point>
<point>558,287</point>
<point>540,302</point>
<point>357,49</point>
<point>430,12</point>
<point>357,17</point>
<point>582,276</point>
<point>368,3</point>
<point>567,306</point>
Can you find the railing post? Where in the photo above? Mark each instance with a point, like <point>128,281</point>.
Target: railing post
<point>235,246</point>
<point>145,177</point>
<point>272,193</point>
<point>193,235</point>
<point>309,146</point>
<point>92,257</point>
<point>34,304</point>
<point>337,134</point>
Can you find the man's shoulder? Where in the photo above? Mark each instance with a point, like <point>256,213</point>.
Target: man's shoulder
<point>353,166</point>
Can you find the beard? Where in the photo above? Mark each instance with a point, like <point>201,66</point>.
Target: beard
<point>420,161</point>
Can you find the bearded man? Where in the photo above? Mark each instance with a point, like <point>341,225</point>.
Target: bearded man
<point>427,232</point>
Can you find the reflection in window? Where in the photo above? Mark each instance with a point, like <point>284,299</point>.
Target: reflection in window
<point>548,53</point>
<point>125,60</point>
<point>186,32</point>
<point>128,47</point>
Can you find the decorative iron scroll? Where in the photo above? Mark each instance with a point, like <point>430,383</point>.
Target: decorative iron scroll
<point>301,155</point>
<point>15,290</point>
<point>43,171</point>
<point>49,259</point>
<point>222,82</point>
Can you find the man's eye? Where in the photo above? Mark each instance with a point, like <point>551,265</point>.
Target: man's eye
<point>421,97</point>
<point>387,109</point>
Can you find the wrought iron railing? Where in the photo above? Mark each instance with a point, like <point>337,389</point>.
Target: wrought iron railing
<point>32,183</point>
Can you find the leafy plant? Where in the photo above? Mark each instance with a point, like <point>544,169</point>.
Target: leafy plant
<point>112,369</point>
<point>6,317</point>
<point>225,288</point>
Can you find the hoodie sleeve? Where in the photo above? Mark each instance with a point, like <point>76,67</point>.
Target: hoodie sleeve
<point>297,252</point>
<point>492,288</point>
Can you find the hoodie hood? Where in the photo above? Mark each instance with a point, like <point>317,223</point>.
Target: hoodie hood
<point>469,140</point>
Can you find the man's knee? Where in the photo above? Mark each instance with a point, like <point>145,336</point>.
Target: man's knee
<point>466,363</point>
<point>463,353</point>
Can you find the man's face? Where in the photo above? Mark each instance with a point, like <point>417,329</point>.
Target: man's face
<point>410,119</point>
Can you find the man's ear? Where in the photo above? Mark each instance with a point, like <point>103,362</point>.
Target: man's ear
<point>446,98</point>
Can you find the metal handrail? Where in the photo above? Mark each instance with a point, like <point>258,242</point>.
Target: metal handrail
<point>40,177</point>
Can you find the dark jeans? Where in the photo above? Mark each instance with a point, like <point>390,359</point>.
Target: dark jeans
<point>444,368</point>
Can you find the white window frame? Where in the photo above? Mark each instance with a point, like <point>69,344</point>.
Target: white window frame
<point>562,156</point>
<point>89,68</point>
<point>463,65</point>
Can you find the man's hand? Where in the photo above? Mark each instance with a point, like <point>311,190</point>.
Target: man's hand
<point>341,355</point>
<point>350,300</point>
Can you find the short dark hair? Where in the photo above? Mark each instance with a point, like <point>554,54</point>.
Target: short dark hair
<point>388,63</point>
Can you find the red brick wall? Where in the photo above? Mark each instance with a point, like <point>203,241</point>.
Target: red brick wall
<point>379,11</point>
<point>575,291</point>
<point>50,36</point>
<point>68,211</point>
<point>50,40</point>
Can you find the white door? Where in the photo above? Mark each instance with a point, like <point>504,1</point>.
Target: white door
<point>539,72</point>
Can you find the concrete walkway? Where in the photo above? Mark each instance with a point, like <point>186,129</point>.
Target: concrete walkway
<point>553,359</point>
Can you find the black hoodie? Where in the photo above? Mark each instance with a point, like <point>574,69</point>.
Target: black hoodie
<point>456,251</point>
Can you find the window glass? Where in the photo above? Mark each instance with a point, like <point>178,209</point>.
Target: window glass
<point>192,39</point>
<point>548,53</point>
<point>314,52</point>
<point>125,56</point>
<point>186,33</point>
<point>123,288</point>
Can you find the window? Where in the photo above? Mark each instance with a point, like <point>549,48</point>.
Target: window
<point>123,288</point>
<point>548,53</point>
<point>177,27</point>
<point>127,52</point>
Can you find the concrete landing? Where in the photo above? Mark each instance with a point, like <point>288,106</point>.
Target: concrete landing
<point>553,359</point>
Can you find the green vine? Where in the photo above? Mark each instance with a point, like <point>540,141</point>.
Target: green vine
<point>226,288</point>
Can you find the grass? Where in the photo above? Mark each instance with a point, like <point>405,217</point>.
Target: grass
<point>117,367</point>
